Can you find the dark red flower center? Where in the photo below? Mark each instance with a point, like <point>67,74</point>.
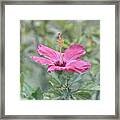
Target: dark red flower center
<point>61,64</point>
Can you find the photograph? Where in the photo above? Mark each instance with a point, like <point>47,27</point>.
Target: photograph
<point>60,59</point>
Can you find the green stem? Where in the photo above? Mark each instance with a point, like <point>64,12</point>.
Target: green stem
<point>68,89</point>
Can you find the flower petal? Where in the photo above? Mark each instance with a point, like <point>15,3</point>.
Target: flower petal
<point>74,52</point>
<point>41,60</point>
<point>55,68</point>
<point>79,66</point>
<point>48,52</point>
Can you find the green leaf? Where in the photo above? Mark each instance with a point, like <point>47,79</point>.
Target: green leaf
<point>90,85</point>
<point>54,78</point>
<point>82,95</point>
<point>37,94</point>
<point>75,78</point>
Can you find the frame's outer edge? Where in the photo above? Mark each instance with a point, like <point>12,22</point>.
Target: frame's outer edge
<point>0,65</point>
<point>117,25</point>
<point>118,94</point>
<point>2,59</point>
<point>62,2</point>
<point>55,2</point>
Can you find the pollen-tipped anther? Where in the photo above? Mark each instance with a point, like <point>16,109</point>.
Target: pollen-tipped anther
<point>60,40</point>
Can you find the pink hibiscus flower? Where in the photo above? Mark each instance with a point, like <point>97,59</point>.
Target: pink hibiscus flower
<point>68,61</point>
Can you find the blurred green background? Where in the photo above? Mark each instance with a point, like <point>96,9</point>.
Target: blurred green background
<point>36,83</point>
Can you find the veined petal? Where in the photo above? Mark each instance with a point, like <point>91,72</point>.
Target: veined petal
<point>74,52</point>
<point>41,60</point>
<point>55,68</point>
<point>79,66</point>
<point>47,52</point>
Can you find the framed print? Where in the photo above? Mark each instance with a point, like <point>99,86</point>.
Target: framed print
<point>60,59</point>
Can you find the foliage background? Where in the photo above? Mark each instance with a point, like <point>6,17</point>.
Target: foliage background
<point>36,83</point>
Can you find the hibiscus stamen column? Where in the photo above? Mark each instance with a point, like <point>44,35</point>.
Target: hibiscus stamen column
<point>60,44</point>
